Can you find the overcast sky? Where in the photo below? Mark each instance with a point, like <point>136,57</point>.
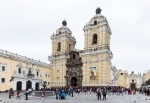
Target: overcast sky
<point>26,27</point>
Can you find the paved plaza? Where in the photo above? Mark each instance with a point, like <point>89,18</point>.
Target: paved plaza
<point>81,98</point>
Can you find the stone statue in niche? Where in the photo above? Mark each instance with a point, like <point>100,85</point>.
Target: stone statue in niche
<point>73,69</point>
<point>92,72</point>
<point>29,72</point>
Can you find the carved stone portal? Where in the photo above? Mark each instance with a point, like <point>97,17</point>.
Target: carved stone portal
<point>74,72</point>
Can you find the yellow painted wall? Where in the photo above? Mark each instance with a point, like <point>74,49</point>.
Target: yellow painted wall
<point>122,79</point>
<point>146,76</point>
<point>11,67</point>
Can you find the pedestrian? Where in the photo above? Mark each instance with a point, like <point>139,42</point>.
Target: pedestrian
<point>18,95</point>
<point>26,94</point>
<point>43,95</point>
<point>99,94</point>
<point>10,93</point>
<point>78,91</point>
<point>104,94</point>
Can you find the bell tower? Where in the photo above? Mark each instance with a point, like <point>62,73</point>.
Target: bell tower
<point>62,43</point>
<point>97,54</point>
<point>97,32</point>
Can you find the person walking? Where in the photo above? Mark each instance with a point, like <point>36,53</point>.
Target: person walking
<point>10,93</point>
<point>13,94</point>
<point>18,95</point>
<point>99,94</point>
<point>43,95</point>
<point>104,94</point>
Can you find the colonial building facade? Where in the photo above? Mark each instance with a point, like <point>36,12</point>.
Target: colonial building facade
<point>68,66</point>
<point>20,73</point>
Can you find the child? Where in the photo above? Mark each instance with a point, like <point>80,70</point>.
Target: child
<point>43,95</point>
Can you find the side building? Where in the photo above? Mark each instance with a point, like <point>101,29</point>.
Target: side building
<point>129,80</point>
<point>20,72</point>
<point>146,78</point>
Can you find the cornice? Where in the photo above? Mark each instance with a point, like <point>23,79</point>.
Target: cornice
<point>25,59</point>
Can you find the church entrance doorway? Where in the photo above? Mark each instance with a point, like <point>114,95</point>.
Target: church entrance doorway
<point>37,86</point>
<point>74,72</point>
<point>28,85</point>
<point>19,86</point>
<point>73,81</point>
<point>133,86</point>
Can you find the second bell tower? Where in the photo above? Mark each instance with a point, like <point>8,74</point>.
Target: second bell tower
<point>97,32</point>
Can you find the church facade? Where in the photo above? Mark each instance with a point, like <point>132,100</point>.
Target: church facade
<point>68,66</point>
<point>90,66</point>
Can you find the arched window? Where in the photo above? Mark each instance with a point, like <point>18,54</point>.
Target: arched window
<point>37,73</point>
<point>19,70</point>
<point>59,32</point>
<point>94,39</point>
<point>74,56</point>
<point>69,47</point>
<point>95,22</point>
<point>59,47</point>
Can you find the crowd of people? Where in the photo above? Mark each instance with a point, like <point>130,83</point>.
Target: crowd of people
<point>100,91</point>
<point>145,91</point>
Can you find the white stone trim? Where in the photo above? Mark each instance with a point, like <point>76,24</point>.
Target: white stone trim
<point>24,80</point>
<point>61,35</point>
<point>4,66</point>
<point>50,58</point>
<point>94,52</point>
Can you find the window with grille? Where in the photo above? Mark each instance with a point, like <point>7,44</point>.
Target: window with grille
<point>3,68</point>
<point>3,80</point>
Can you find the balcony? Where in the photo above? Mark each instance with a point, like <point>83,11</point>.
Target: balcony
<point>30,75</point>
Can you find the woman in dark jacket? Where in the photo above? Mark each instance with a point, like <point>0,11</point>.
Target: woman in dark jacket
<point>99,94</point>
<point>104,94</point>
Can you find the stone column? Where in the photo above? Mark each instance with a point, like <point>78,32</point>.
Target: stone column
<point>127,83</point>
<point>33,85</point>
<point>14,85</point>
<point>23,85</point>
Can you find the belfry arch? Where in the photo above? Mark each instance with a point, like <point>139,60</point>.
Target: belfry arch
<point>74,72</point>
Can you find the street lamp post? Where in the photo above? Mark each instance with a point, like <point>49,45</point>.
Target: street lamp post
<point>44,84</point>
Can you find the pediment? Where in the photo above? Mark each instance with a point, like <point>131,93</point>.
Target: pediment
<point>29,65</point>
<point>20,65</point>
<point>37,69</point>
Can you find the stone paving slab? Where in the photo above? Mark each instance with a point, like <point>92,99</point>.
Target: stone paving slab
<point>81,98</point>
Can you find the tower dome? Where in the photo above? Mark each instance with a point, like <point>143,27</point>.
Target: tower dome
<point>64,23</point>
<point>98,10</point>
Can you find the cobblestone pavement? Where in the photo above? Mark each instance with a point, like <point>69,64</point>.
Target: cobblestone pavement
<point>81,98</point>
